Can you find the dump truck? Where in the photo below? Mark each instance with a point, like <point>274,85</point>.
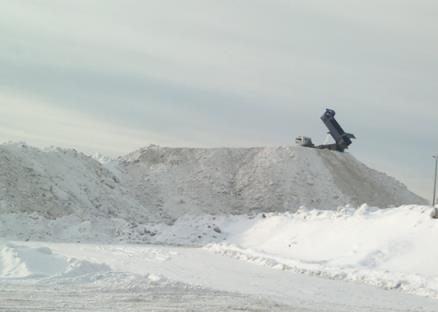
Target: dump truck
<point>342,139</point>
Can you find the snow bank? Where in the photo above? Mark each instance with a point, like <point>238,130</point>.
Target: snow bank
<point>19,262</point>
<point>389,248</point>
<point>177,181</point>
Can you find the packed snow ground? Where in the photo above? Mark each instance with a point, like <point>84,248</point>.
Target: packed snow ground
<point>35,278</point>
<point>159,278</point>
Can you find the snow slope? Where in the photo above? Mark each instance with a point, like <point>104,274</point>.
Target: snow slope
<point>177,181</point>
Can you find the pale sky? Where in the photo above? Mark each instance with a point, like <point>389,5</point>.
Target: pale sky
<point>112,76</point>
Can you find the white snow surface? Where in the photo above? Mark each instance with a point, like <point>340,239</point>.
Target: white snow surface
<point>21,262</point>
<point>391,248</point>
<point>223,223</point>
<point>163,278</point>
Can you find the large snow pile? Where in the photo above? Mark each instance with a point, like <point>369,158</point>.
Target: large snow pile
<point>177,181</point>
<point>165,183</point>
<point>57,182</point>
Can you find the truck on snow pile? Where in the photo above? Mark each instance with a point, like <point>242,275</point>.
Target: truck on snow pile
<point>342,139</point>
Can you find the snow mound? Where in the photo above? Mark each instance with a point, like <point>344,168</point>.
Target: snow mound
<point>177,181</point>
<point>389,248</point>
<point>21,262</point>
<point>57,182</point>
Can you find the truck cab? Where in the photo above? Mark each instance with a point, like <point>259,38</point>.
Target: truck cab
<point>304,141</point>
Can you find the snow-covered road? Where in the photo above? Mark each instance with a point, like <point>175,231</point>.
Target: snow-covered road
<point>69,298</point>
<point>195,279</point>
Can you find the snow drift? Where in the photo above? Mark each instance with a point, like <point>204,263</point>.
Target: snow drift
<point>21,262</point>
<point>390,248</point>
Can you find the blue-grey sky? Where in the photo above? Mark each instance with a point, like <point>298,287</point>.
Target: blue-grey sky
<point>111,76</point>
